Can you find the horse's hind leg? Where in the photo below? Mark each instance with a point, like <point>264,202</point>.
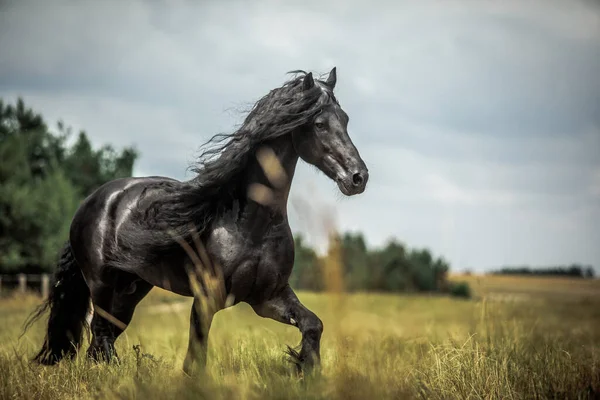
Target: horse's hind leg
<point>126,300</point>
<point>102,346</point>
<point>114,305</point>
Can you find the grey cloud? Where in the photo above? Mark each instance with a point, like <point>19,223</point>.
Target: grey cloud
<point>479,121</point>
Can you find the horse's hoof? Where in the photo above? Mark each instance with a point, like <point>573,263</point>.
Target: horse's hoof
<point>309,369</point>
<point>305,364</point>
<point>103,352</point>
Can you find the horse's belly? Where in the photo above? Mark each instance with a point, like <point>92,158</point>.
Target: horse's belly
<point>169,275</point>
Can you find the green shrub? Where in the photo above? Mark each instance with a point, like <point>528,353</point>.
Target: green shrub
<point>460,289</point>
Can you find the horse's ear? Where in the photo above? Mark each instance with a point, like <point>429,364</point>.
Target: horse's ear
<point>332,79</point>
<point>308,82</point>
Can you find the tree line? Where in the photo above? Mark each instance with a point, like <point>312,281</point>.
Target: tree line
<point>391,268</point>
<point>42,181</point>
<point>573,271</point>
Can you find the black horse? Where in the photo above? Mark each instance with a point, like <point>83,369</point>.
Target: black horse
<point>133,234</point>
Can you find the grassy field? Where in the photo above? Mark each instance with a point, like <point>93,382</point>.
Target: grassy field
<point>519,338</point>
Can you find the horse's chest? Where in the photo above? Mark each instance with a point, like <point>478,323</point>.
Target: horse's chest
<point>252,269</point>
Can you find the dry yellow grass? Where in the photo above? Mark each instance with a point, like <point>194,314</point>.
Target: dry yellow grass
<point>374,346</point>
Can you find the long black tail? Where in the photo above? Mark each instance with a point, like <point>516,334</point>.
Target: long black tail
<point>68,301</point>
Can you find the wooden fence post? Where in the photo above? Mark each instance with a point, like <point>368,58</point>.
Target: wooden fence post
<point>45,286</point>
<point>22,283</point>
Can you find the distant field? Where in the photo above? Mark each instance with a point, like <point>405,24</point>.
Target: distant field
<point>520,338</point>
<point>502,286</point>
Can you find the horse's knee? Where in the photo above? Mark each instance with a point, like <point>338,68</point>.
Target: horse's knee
<point>313,328</point>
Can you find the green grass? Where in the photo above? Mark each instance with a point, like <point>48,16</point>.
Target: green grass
<point>374,346</point>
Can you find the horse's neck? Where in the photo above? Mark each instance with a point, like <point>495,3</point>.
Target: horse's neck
<point>267,206</point>
<point>264,212</point>
<point>287,158</point>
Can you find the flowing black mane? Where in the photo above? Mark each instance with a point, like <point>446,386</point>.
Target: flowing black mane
<point>278,113</point>
<point>200,200</point>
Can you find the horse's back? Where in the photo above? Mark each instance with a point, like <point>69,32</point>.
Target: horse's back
<point>98,219</point>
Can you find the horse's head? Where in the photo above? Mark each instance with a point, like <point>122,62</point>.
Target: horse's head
<point>324,141</point>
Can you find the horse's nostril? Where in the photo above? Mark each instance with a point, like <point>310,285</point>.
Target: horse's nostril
<point>357,179</point>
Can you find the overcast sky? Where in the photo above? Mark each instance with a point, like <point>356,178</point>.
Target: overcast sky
<point>479,120</point>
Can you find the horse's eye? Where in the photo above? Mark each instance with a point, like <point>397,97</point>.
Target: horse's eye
<point>319,125</point>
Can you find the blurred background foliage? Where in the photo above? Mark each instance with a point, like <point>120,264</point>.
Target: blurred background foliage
<point>42,181</point>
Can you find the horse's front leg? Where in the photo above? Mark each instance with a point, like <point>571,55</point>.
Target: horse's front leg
<point>286,308</point>
<point>198,342</point>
